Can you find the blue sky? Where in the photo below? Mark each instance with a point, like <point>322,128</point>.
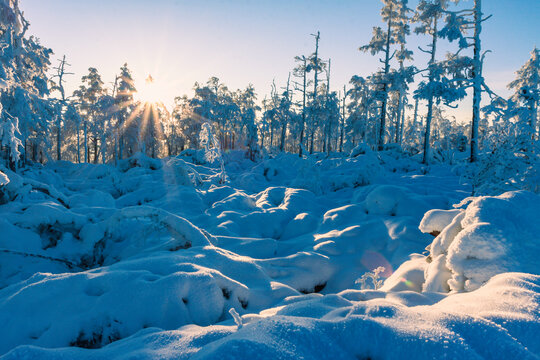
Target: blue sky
<point>249,41</point>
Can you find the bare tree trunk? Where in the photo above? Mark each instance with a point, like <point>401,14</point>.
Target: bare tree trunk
<point>285,119</point>
<point>429,117</point>
<point>315,84</point>
<point>85,125</point>
<point>402,123</point>
<point>95,149</point>
<point>58,137</point>
<point>477,79</point>
<point>300,143</point>
<point>342,130</point>
<point>382,129</point>
<point>78,142</point>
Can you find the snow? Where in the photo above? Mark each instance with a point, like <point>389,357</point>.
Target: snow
<point>160,259</point>
<point>3,179</point>
<point>491,235</point>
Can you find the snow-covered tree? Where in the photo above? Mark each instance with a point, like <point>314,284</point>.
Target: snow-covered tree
<point>301,71</point>
<point>457,23</point>
<point>246,101</point>
<point>57,84</point>
<point>395,14</point>
<point>23,84</point>
<point>437,87</point>
<point>512,159</point>
<point>88,95</point>
<point>212,148</point>
<point>526,88</point>
<point>124,103</point>
<point>315,106</point>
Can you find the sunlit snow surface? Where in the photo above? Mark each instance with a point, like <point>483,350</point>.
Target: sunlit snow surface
<point>145,261</point>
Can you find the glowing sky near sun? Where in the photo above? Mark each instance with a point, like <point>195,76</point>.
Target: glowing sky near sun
<point>247,41</point>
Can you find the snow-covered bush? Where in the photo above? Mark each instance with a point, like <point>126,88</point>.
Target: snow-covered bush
<point>212,149</point>
<point>371,279</point>
<point>490,236</point>
<point>9,137</point>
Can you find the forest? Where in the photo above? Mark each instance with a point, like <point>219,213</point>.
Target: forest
<point>325,221</point>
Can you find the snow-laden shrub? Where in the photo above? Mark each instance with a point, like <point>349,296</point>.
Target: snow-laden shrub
<point>139,160</point>
<point>371,279</point>
<point>506,168</point>
<point>491,235</point>
<point>512,157</point>
<point>212,149</point>
<point>360,149</point>
<point>9,136</point>
<point>309,177</point>
<point>4,180</point>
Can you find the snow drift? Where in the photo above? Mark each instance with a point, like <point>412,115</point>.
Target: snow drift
<point>157,258</point>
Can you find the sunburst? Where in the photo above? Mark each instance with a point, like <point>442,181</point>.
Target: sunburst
<point>148,92</point>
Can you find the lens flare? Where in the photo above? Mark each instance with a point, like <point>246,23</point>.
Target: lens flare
<point>372,260</point>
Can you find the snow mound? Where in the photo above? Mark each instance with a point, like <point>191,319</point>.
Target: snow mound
<point>155,259</point>
<point>111,303</point>
<point>484,324</point>
<point>492,235</point>
<point>133,231</point>
<point>3,179</point>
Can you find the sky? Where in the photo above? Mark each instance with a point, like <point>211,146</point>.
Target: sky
<point>180,42</point>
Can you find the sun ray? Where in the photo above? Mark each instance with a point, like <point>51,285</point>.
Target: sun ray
<point>133,115</point>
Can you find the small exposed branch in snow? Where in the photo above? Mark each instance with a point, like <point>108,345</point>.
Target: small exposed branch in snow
<point>371,280</point>
<point>237,318</point>
<point>69,264</point>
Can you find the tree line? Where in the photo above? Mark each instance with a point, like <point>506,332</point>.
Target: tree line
<point>99,123</point>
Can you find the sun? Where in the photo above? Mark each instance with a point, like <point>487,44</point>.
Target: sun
<point>148,92</point>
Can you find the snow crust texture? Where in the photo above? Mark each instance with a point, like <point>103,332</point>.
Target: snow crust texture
<point>159,259</point>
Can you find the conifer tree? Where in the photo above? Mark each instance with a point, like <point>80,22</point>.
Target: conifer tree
<point>526,88</point>
<point>25,111</point>
<point>395,14</point>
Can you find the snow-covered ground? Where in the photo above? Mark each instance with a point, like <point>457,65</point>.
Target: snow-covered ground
<point>161,259</point>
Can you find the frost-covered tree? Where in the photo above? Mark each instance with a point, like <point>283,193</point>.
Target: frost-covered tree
<point>343,118</point>
<point>212,149</point>
<point>315,106</point>
<point>279,114</point>
<point>124,103</point>
<point>457,23</point>
<point>88,95</point>
<point>186,126</point>
<point>72,132</point>
<point>25,110</point>
<point>246,101</point>
<point>404,76</point>
<point>436,87</point>
<point>57,84</point>
<point>285,113</point>
<point>301,71</point>
<point>364,109</point>
<point>10,137</point>
<point>512,159</point>
<point>395,14</point>
<point>526,88</point>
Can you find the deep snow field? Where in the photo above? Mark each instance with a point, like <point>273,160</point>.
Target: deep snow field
<point>159,259</point>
